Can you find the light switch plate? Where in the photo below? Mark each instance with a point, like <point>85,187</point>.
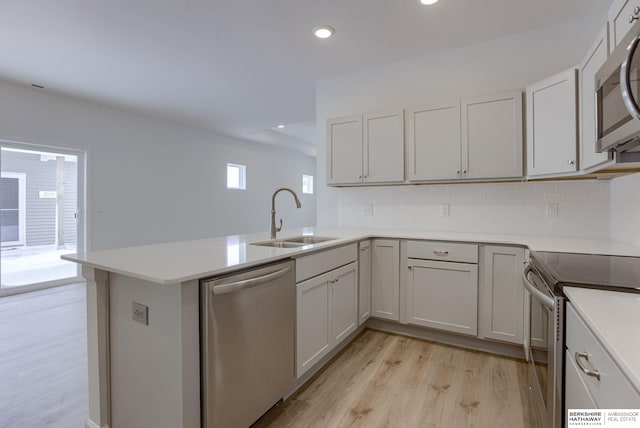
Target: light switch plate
<point>444,210</point>
<point>140,313</point>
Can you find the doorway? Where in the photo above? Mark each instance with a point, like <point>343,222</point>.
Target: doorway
<point>42,206</point>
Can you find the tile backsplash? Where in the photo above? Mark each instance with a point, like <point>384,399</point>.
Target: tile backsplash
<point>566,208</point>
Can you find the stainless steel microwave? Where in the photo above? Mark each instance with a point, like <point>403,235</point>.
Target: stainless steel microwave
<point>617,87</point>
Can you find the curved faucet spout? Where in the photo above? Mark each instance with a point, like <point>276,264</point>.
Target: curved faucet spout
<point>275,229</point>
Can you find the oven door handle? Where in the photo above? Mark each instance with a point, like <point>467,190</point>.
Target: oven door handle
<point>539,295</point>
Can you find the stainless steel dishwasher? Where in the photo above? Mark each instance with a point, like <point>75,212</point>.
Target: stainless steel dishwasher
<point>247,343</point>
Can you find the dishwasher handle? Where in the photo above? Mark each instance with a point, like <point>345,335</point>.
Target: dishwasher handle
<point>252,282</point>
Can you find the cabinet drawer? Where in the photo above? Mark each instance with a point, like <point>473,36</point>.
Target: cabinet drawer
<point>324,261</point>
<point>576,395</point>
<point>446,251</point>
<point>613,390</point>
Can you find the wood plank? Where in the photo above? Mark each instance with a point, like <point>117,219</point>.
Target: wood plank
<point>387,380</point>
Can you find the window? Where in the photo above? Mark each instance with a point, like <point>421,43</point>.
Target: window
<point>236,176</point>
<point>13,209</point>
<point>42,207</point>
<point>307,184</point>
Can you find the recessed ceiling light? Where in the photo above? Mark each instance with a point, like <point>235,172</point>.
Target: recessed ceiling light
<point>427,2</point>
<point>280,126</point>
<point>324,31</point>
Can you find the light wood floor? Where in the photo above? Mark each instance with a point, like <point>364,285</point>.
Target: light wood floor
<point>43,359</point>
<point>386,380</point>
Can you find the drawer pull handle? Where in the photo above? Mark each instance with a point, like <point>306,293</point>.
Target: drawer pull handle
<point>441,252</point>
<point>594,373</point>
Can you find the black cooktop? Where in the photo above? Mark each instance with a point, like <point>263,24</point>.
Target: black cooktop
<point>615,273</point>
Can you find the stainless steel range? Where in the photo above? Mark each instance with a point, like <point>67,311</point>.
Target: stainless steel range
<point>544,279</point>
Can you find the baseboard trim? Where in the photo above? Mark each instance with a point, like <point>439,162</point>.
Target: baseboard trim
<point>90,424</point>
<point>461,341</point>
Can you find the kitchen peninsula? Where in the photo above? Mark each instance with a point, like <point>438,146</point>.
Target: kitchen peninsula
<point>149,374</point>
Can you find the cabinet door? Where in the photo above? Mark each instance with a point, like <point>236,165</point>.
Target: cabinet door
<point>384,147</point>
<point>385,279</point>
<point>344,302</point>
<point>443,295</point>
<point>344,150</point>
<point>492,136</point>
<point>433,142</point>
<point>364,281</point>
<point>595,57</point>
<point>313,335</point>
<point>551,125</point>
<point>501,304</point>
<point>619,25</point>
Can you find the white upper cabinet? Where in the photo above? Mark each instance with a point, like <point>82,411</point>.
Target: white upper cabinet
<point>344,150</point>
<point>384,147</point>
<point>492,136</point>
<point>592,61</point>
<point>620,13</point>
<point>479,138</point>
<point>366,149</point>
<point>551,125</point>
<point>433,142</point>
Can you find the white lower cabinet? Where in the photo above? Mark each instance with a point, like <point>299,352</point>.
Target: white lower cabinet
<point>443,295</point>
<point>600,382</point>
<point>385,279</point>
<point>343,302</point>
<point>501,301</point>
<point>327,312</point>
<point>364,281</point>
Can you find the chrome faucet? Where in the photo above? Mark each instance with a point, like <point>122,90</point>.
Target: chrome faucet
<point>275,229</point>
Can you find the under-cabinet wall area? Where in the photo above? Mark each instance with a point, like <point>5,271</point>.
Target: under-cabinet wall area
<point>561,208</point>
<point>625,209</point>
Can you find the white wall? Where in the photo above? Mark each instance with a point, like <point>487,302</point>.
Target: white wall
<point>151,180</point>
<point>492,67</point>
<point>517,208</point>
<point>625,209</point>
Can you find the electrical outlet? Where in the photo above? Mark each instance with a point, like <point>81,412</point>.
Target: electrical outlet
<point>367,210</point>
<point>553,210</point>
<point>140,313</point>
<point>444,210</point>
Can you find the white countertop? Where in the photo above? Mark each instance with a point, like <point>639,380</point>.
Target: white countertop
<point>614,318</point>
<point>176,262</point>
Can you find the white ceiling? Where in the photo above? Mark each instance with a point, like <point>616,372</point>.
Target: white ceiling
<point>241,67</point>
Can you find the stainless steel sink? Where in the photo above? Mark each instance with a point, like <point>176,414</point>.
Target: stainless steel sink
<point>308,239</point>
<point>278,244</point>
<point>294,241</point>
